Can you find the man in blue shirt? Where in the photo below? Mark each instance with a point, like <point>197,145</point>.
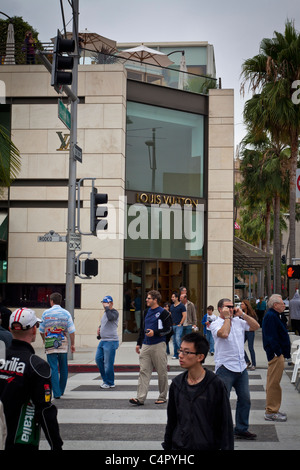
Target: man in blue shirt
<point>151,347</point>
<point>178,312</point>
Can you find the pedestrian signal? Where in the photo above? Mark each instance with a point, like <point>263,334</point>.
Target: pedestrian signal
<point>293,271</point>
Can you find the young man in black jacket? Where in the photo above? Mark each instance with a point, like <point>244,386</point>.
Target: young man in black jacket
<point>199,413</point>
<point>25,389</point>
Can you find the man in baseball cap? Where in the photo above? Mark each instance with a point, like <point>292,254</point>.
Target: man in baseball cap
<point>23,319</point>
<point>106,351</point>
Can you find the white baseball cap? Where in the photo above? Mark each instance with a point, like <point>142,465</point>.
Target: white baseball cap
<point>23,319</point>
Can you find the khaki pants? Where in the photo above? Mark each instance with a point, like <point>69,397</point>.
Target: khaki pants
<point>153,356</point>
<point>273,392</point>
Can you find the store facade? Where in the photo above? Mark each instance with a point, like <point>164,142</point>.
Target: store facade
<point>166,192</point>
<point>166,154</point>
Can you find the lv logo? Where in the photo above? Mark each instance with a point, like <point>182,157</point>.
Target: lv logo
<point>64,141</point>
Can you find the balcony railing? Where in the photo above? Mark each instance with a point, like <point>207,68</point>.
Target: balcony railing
<point>169,77</point>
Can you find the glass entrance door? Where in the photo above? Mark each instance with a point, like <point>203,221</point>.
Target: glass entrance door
<point>164,276</point>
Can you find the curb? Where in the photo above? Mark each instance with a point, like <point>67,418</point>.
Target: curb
<point>81,368</point>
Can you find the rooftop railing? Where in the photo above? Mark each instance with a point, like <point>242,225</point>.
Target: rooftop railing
<point>170,77</point>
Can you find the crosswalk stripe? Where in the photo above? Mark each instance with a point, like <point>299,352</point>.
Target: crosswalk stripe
<point>105,419</point>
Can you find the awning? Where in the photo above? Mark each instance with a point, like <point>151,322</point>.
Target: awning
<point>238,284</point>
<point>246,256</point>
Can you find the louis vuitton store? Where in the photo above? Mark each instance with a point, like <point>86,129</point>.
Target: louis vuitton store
<point>166,154</point>
<point>166,159</point>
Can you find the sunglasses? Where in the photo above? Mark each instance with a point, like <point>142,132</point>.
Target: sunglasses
<point>185,353</point>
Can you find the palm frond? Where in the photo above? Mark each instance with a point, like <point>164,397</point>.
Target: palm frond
<point>10,159</point>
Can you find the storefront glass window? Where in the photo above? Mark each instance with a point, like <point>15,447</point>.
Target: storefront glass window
<point>169,232</point>
<point>164,150</point>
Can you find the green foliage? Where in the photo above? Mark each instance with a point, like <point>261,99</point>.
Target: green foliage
<point>10,159</point>
<point>20,29</point>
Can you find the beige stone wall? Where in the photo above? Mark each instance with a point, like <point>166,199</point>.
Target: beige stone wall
<point>101,135</point>
<point>220,196</point>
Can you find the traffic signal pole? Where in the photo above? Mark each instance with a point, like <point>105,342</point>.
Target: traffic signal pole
<point>70,262</point>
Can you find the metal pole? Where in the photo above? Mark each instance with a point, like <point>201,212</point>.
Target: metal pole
<point>70,274</point>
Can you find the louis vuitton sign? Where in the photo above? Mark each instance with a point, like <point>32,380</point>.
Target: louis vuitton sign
<point>150,198</point>
<point>64,141</point>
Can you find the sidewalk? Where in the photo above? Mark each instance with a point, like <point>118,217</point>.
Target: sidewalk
<point>83,359</point>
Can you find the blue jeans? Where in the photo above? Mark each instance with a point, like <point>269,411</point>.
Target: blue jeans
<point>58,379</point>
<point>177,338</point>
<point>210,339</point>
<point>105,358</point>
<point>249,336</point>
<point>187,329</point>
<point>238,380</point>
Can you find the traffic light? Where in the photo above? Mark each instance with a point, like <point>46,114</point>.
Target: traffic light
<point>293,271</point>
<point>98,212</point>
<point>89,267</point>
<point>61,63</point>
<point>283,259</point>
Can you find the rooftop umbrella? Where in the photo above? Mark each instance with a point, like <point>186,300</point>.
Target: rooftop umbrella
<point>146,55</point>
<point>10,45</point>
<point>93,42</point>
<point>182,79</point>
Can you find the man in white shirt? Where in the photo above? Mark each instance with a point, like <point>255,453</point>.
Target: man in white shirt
<point>229,336</point>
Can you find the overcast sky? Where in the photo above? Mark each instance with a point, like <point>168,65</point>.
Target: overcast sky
<point>234,27</point>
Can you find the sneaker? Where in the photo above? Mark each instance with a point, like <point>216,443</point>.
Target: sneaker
<point>111,386</point>
<point>252,368</point>
<point>280,417</point>
<point>245,435</point>
<point>174,357</point>
<point>104,386</point>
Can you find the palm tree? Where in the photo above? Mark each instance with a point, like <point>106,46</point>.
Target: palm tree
<point>10,159</point>
<point>273,71</point>
<point>263,186</point>
<point>257,201</point>
<point>258,114</point>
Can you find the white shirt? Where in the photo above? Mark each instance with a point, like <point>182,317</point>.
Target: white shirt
<point>229,352</point>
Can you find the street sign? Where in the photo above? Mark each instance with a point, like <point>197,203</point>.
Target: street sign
<point>77,153</point>
<point>75,241</point>
<point>64,114</point>
<point>51,237</point>
<point>298,182</point>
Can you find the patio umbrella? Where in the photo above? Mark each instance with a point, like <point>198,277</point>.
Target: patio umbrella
<point>95,42</point>
<point>92,42</point>
<point>182,79</point>
<point>146,55</point>
<point>10,45</point>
